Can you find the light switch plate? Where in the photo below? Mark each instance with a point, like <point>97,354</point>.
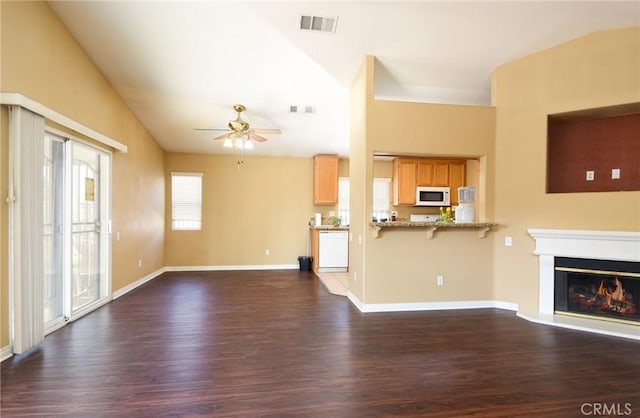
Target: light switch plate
<point>591,175</point>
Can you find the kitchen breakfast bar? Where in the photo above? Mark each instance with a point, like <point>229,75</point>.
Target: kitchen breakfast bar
<point>431,227</point>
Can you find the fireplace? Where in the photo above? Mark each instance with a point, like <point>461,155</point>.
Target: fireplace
<point>601,280</point>
<point>602,289</point>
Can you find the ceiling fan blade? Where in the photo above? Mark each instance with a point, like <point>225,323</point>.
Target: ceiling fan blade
<point>256,137</point>
<point>267,131</point>
<point>224,136</point>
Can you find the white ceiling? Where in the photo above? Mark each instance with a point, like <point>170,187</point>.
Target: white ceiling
<point>182,65</point>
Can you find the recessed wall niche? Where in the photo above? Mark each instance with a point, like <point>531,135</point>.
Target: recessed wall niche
<point>594,150</point>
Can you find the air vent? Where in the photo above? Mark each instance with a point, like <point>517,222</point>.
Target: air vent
<point>318,23</point>
<point>302,109</point>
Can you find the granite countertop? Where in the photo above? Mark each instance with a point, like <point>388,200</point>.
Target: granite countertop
<point>330,227</point>
<point>400,224</point>
<point>431,227</point>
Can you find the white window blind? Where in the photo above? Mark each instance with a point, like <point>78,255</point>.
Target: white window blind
<point>343,199</point>
<point>186,201</point>
<point>381,197</point>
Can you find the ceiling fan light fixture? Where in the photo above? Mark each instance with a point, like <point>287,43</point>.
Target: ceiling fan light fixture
<point>240,135</point>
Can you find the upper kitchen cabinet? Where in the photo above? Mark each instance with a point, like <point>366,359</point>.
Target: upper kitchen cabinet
<point>404,181</point>
<point>456,179</point>
<point>325,180</point>
<point>409,173</point>
<point>433,173</point>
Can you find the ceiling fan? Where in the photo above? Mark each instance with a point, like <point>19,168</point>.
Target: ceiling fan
<point>239,132</point>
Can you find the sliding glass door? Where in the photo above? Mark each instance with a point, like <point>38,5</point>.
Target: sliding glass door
<point>88,265</point>
<point>76,206</point>
<point>53,222</point>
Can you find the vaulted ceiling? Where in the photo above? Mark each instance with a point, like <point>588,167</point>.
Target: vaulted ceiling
<point>183,65</point>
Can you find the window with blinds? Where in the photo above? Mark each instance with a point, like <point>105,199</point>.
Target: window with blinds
<point>186,201</point>
<point>381,198</point>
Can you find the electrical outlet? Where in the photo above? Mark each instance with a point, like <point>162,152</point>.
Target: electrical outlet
<point>267,252</point>
<point>440,280</point>
<point>139,263</point>
<point>590,175</point>
<point>355,277</point>
<point>118,236</point>
<point>615,173</point>
<point>508,241</point>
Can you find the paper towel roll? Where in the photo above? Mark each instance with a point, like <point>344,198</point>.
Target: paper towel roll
<point>318,219</point>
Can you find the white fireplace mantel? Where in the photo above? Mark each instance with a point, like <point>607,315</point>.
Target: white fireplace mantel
<point>598,245</point>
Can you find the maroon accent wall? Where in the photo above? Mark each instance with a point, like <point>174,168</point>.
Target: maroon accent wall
<point>601,144</point>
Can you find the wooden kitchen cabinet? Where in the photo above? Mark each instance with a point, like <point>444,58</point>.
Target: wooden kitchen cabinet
<point>456,179</point>
<point>424,176</point>
<point>433,173</point>
<point>441,173</point>
<point>325,180</point>
<point>315,249</point>
<point>409,173</point>
<point>404,181</point>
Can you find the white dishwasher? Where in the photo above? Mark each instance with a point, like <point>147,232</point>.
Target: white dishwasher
<point>333,251</point>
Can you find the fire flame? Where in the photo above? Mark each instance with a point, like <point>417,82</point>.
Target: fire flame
<point>616,299</point>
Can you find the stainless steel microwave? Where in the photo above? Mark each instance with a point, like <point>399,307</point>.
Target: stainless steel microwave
<point>433,196</point>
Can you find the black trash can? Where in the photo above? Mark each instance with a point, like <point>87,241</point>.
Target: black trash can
<point>305,262</point>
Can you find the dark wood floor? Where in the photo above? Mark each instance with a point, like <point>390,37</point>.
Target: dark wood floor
<point>275,343</point>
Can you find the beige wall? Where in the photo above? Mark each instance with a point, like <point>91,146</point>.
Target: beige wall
<point>596,70</point>
<point>42,61</point>
<point>260,205</point>
<point>359,166</point>
<point>401,266</point>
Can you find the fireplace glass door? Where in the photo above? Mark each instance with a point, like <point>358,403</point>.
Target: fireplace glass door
<point>608,290</point>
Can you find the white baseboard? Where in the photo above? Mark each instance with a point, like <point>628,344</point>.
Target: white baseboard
<point>429,306</point>
<point>507,306</point>
<point>128,288</point>
<point>232,267</point>
<point>579,324</point>
<point>356,302</point>
<point>6,352</point>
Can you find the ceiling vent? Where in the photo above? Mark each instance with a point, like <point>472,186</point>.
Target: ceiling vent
<point>318,23</point>
<point>302,109</point>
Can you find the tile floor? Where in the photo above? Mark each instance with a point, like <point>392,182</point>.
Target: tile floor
<point>336,283</point>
